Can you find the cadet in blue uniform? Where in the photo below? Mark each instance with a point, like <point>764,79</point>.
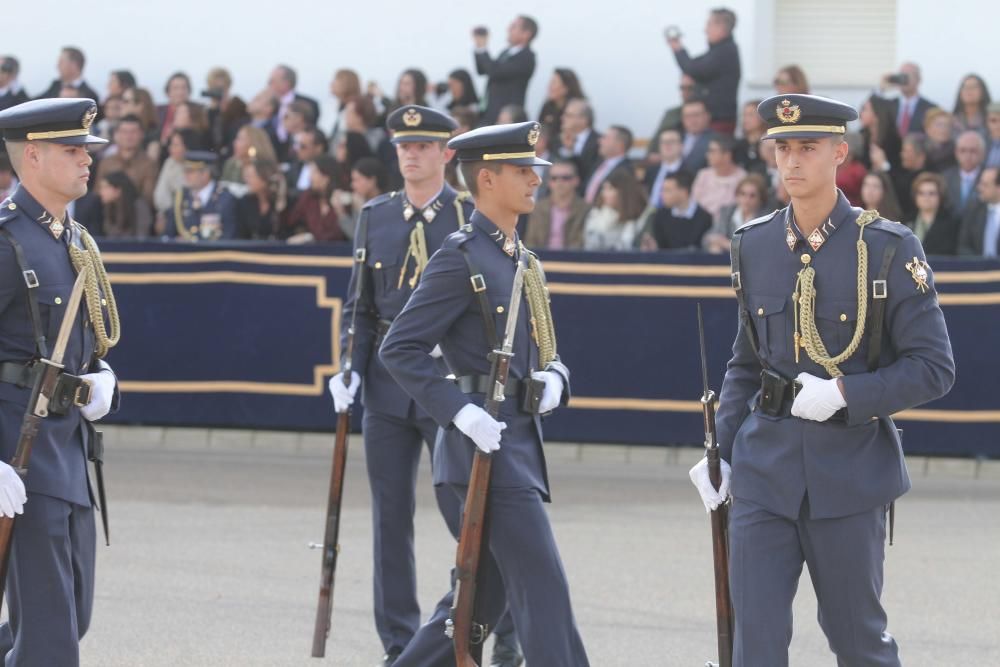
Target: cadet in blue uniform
<point>202,210</point>
<point>459,306</point>
<point>840,328</point>
<point>50,584</point>
<point>397,233</point>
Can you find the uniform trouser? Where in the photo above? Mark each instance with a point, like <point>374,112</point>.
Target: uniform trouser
<point>50,584</point>
<point>522,568</point>
<point>845,557</point>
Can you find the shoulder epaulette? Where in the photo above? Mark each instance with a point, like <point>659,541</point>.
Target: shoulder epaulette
<point>897,228</point>
<point>756,221</point>
<point>459,238</point>
<point>381,199</point>
<point>6,213</point>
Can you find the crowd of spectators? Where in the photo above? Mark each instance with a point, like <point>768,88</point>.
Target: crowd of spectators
<point>295,177</point>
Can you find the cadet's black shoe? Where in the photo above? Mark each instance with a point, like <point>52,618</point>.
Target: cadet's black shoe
<point>389,658</point>
<point>506,652</point>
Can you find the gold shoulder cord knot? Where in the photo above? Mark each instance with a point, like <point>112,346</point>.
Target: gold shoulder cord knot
<point>537,293</point>
<point>805,308</point>
<point>96,284</point>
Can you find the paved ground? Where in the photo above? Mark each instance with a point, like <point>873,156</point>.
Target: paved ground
<point>209,565</point>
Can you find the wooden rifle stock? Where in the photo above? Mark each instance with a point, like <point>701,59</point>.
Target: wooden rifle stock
<point>331,546</point>
<point>720,542</point>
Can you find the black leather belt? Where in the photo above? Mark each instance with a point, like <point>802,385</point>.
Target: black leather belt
<point>381,329</point>
<point>480,384</point>
<point>777,394</point>
<point>70,389</point>
<point>528,391</point>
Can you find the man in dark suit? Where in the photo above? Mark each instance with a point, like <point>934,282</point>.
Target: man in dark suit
<point>970,152</point>
<point>281,83</point>
<point>717,70</point>
<point>511,71</point>
<point>70,67</point>
<point>980,231</point>
<point>11,91</point>
<point>697,133</point>
<point>579,141</point>
<point>307,146</point>
<point>670,144</point>
<point>910,107</point>
<point>613,147</point>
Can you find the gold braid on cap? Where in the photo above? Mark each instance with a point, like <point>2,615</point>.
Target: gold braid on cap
<point>87,260</point>
<point>543,329</point>
<point>804,300</point>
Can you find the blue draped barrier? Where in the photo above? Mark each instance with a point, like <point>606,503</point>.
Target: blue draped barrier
<point>246,335</point>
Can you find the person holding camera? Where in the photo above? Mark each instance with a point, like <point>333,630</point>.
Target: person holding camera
<point>510,72</point>
<point>226,113</point>
<point>910,106</point>
<point>716,71</point>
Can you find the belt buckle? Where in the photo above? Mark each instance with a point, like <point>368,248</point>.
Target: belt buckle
<point>84,392</point>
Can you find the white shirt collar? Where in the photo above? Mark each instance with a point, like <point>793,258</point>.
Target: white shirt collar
<point>13,88</point>
<point>205,193</point>
<point>514,50</point>
<point>287,98</point>
<point>581,139</point>
<point>686,213</point>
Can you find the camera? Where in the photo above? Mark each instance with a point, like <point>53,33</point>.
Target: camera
<point>212,93</point>
<point>898,79</point>
<point>672,32</point>
<point>480,31</point>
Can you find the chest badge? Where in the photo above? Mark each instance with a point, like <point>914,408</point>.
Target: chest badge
<point>920,272</point>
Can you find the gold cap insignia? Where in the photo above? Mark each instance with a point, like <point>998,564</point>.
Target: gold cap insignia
<point>88,118</point>
<point>788,112</point>
<point>533,135</point>
<point>412,118</point>
<point>920,272</point>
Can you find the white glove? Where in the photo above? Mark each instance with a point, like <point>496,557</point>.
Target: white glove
<point>436,352</point>
<point>818,399</point>
<point>343,396</point>
<point>102,390</point>
<point>699,477</point>
<point>552,395</point>
<point>482,429</point>
<point>12,495</point>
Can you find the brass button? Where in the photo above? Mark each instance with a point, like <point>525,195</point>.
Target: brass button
<point>104,302</point>
<point>378,265</point>
<point>499,309</point>
<point>58,300</point>
<point>12,206</point>
<point>843,317</point>
<point>806,258</point>
<point>760,311</point>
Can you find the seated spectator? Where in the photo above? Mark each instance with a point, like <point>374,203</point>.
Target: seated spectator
<point>112,113</point>
<point>129,157</point>
<point>613,148</point>
<point>139,103</point>
<point>670,159</point>
<point>769,156</point>
<point>938,125</point>
<point>680,224</point>
<point>970,105</point>
<point>878,194</point>
<point>298,117</point>
<point>932,224</point>
<point>368,180</point>
<point>578,140</point>
<point>307,146</point>
<point>346,84</point>
<point>696,121</point>
<point>960,180</point>
<point>558,220</point>
<point>993,125</point>
<point>979,234</point>
<point>262,107</point>
<point>717,70</point>
<point>671,119</point>
<point>119,81</point>
<point>178,91</point>
<point>715,185</point>
<point>411,88</point>
<point>511,113</point>
<point>313,218</point>
<point>352,147</point>
<point>70,82</point>
<point>878,129</point>
<point>251,143</point>
<point>463,92</point>
<point>359,116</point>
<point>125,213</point>
<point>192,116</point>
<point>171,178</point>
<point>203,210</point>
<point>227,113</point>
<point>614,223</point>
<point>746,151</point>
<point>259,210</point>
<point>790,80</point>
<point>751,202</point>
<point>8,180</point>
<point>852,170</point>
<point>564,86</point>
